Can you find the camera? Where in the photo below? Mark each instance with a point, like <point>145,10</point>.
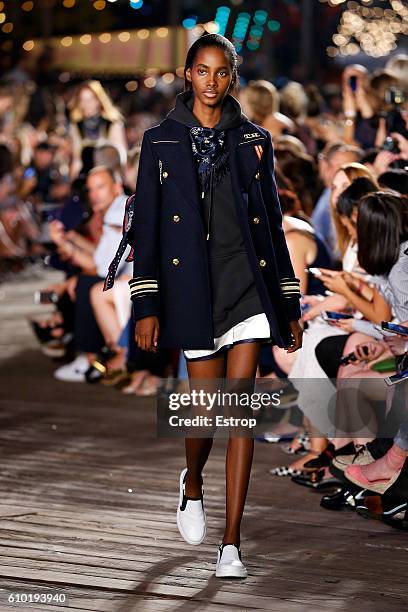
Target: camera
<point>394,97</point>
<point>390,144</point>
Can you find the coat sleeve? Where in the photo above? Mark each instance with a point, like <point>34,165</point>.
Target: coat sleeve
<point>290,285</point>
<point>144,286</point>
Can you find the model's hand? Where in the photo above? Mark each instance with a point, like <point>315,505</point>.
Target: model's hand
<point>147,333</point>
<point>297,333</point>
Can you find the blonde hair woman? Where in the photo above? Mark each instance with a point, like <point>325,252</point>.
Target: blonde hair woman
<point>344,176</point>
<point>94,121</point>
<point>260,102</point>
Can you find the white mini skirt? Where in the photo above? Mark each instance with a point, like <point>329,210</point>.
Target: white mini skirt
<point>251,329</point>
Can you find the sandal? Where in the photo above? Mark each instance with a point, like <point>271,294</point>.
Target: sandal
<point>323,460</point>
<point>136,380</point>
<point>149,387</point>
<point>303,445</point>
<point>316,480</point>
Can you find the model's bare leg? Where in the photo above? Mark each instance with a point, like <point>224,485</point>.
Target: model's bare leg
<point>198,449</point>
<point>241,364</point>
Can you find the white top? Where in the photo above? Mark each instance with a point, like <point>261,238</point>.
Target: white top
<point>110,238</point>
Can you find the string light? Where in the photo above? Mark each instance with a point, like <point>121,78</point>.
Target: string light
<point>150,82</point>
<point>69,3</point>
<point>168,78</point>
<point>373,30</point>
<point>85,39</point>
<point>28,45</point>
<point>211,27</point>
<point>132,85</point>
<point>143,34</point>
<point>124,36</point>
<point>27,6</point>
<point>189,22</point>
<point>105,37</point>
<point>162,32</point>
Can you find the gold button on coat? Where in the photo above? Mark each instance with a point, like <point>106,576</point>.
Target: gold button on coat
<point>262,263</point>
<point>175,261</point>
<point>176,218</point>
<point>256,220</point>
<point>165,174</point>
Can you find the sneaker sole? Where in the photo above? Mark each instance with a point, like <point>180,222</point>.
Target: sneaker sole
<point>231,572</point>
<point>193,543</point>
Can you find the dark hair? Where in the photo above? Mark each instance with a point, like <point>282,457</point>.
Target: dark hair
<point>213,40</point>
<point>289,202</point>
<point>396,179</point>
<point>350,198</point>
<point>382,224</point>
<point>6,160</point>
<point>302,173</point>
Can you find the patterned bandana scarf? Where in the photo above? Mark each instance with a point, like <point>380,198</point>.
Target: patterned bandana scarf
<point>208,147</point>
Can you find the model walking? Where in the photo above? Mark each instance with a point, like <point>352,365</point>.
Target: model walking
<point>212,273</point>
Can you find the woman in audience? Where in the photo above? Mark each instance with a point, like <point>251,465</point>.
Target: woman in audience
<point>306,365</point>
<point>94,120</point>
<point>260,102</point>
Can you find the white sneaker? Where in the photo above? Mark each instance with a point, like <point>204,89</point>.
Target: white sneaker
<point>191,519</point>
<point>74,371</point>
<point>229,564</point>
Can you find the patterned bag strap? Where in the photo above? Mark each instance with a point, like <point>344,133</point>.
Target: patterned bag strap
<point>127,224</point>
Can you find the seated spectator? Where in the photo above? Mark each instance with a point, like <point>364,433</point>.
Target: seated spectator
<point>331,159</point>
<point>260,102</point>
<point>91,259</point>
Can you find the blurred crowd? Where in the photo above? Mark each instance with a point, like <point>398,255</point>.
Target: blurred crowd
<point>68,162</point>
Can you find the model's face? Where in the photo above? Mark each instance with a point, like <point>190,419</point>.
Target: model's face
<point>88,103</point>
<point>210,76</point>
<point>102,190</point>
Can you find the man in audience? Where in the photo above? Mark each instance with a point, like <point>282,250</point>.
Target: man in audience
<point>331,159</point>
<point>107,200</point>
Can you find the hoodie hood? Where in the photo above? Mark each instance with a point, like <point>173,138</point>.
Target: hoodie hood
<point>231,114</point>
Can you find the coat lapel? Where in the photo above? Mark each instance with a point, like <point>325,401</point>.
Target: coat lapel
<point>246,149</point>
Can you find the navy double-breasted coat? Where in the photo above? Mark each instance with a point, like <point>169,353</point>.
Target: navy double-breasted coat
<point>167,233</point>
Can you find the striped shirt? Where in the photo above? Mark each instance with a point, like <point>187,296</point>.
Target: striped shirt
<point>394,287</point>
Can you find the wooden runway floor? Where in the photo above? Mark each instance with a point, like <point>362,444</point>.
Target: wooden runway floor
<point>88,500</point>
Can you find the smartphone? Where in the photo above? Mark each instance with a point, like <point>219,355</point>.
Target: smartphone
<point>328,315</point>
<point>45,297</point>
<point>346,359</point>
<point>353,83</point>
<point>396,329</point>
<point>315,271</point>
<point>396,378</point>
